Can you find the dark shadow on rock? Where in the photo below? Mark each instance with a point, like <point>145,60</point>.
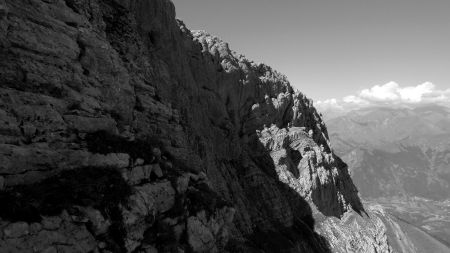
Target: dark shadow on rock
<point>101,188</point>
<point>287,239</point>
<point>270,235</point>
<point>355,203</point>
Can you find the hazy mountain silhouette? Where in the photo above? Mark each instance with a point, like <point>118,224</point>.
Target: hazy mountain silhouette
<point>400,158</point>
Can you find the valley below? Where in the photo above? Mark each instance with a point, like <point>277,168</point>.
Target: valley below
<point>428,216</point>
<point>399,158</point>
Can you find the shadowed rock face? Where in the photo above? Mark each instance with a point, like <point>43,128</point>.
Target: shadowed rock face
<point>213,152</point>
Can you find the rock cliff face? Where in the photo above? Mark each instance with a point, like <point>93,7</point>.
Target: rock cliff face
<point>123,131</point>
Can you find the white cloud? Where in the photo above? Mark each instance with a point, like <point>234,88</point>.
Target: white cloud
<point>354,100</point>
<point>390,93</point>
<point>387,92</point>
<point>416,94</point>
<point>328,102</point>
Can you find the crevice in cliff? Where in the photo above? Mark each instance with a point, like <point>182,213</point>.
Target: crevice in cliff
<point>73,5</point>
<point>149,149</point>
<point>286,118</point>
<point>201,197</point>
<point>81,55</point>
<point>103,142</point>
<point>155,38</point>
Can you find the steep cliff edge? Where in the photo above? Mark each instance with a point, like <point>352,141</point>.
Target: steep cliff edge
<point>123,131</point>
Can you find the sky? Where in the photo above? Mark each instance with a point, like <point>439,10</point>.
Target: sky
<point>335,50</point>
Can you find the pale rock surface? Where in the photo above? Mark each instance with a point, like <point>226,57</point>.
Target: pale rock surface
<point>354,233</point>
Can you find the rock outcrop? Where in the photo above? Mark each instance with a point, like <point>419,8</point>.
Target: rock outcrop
<point>123,131</point>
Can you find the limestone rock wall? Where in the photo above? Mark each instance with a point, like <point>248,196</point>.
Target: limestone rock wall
<point>123,131</point>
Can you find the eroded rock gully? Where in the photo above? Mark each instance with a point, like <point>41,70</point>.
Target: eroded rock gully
<point>123,131</point>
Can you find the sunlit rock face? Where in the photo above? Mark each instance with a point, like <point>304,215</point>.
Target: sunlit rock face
<point>123,131</point>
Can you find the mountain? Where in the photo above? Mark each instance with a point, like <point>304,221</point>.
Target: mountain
<point>399,158</point>
<point>400,151</point>
<point>123,131</point>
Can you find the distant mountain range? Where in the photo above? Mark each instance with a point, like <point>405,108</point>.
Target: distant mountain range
<point>396,152</point>
<point>399,158</point>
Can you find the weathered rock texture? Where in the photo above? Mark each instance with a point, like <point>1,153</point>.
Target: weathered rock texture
<point>123,131</point>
